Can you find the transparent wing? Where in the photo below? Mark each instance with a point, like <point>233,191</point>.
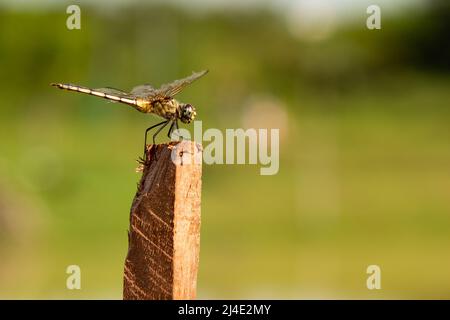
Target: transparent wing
<point>112,92</point>
<point>143,91</point>
<point>171,89</point>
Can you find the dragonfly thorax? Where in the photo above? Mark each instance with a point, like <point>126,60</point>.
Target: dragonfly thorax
<point>166,108</point>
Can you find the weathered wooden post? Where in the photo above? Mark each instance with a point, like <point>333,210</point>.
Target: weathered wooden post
<point>164,234</point>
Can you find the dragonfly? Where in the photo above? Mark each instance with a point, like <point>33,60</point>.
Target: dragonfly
<point>147,99</point>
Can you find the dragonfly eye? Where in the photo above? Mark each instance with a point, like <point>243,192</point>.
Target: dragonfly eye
<point>187,113</point>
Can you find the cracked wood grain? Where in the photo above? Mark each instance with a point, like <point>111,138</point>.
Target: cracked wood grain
<point>164,234</point>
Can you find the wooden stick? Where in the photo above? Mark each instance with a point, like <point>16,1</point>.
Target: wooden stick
<point>164,234</point>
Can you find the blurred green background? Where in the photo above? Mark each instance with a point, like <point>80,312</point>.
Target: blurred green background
<point>364,144</point>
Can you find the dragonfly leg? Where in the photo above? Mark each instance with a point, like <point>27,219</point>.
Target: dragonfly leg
<point>165,123</point>
<point>170,130</point>
<point>178,131</point>
<point>146,132</point>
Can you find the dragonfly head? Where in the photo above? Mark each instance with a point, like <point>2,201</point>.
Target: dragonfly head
<point>187,113</point>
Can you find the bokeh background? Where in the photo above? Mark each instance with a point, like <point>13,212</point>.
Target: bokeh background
<point>364,144</point>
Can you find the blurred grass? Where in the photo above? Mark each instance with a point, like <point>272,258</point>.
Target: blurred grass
<point>364,173</point>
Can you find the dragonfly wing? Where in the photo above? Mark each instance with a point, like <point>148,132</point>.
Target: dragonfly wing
<point>143,91</point>
<point>171,89</point>
<point>112,92</point>
<point>114,95</point>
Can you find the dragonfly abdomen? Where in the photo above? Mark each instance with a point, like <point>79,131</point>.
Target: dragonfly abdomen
<point>93,92</point>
